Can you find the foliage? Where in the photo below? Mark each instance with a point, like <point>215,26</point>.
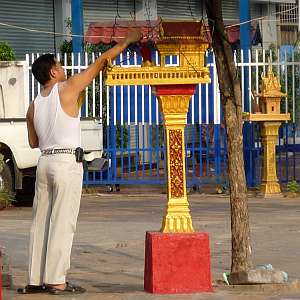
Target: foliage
<point>121,136</point>
<point>5,198</point>
<point>68,23</point>
<point>90,48</point>
<point>293,186</point>
<point>1,162</point>
<point>66,47</point>
<point>6,52</point>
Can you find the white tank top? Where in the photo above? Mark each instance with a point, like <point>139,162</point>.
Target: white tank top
<point>54,128</point>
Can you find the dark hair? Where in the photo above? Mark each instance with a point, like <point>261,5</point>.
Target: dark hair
<point>42,66</point>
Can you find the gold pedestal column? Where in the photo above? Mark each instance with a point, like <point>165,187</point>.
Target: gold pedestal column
<point>270,186</point>
<point>174,109</point>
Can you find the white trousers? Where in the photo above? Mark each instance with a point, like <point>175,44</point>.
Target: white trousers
<point>55,210</point>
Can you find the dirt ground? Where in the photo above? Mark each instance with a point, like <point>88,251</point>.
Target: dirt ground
<point>108,251</point>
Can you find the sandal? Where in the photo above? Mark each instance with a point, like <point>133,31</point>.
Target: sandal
<point>70,289</point>
<point>32,289</point>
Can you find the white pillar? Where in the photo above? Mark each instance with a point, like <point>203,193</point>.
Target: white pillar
<point>269,25</point>
<point>146,10</point>
<point>144,142</point>
<point>62,9</point>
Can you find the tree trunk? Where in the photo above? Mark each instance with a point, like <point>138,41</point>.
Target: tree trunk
<point>231,98</point>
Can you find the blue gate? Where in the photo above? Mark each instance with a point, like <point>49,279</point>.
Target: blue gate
<point>287,153</point>
<point>133,135</point>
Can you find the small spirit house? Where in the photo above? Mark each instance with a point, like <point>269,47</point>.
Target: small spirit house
<point>271,118</point>
<point>271,94</point>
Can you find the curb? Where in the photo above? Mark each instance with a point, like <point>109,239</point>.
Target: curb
<point>289,287</point>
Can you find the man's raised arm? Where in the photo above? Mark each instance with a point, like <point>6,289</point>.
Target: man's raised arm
<point>80,81</point>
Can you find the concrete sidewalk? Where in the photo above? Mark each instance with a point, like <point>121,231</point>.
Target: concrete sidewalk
<point>108,252</point>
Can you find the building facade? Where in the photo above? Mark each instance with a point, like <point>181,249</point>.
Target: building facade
<point>51,16</point>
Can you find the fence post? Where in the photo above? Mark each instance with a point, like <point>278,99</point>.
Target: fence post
<point>77,40</point>
<point>77,26</point>
<point>112,141</point>
<point>245,38</point>
<point>217,117</point>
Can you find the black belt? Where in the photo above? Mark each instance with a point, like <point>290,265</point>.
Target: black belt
<point>78,152</point>
<point>58,151</point>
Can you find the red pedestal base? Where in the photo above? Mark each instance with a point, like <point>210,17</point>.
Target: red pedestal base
<point>177,263</point>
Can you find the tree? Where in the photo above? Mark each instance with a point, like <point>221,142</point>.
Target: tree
<point>231,99</point>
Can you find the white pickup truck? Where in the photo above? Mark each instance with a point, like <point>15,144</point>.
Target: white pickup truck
<point>20,161</point>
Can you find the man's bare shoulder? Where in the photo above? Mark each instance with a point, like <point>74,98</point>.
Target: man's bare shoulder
<point>67,94</point>
<point>62,85</point>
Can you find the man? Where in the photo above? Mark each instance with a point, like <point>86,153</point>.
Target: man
<point>54,126</point>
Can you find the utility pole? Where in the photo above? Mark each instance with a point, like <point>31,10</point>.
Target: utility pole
<point>77,41</point>
<point>77,25</point>
<point>245,44</point>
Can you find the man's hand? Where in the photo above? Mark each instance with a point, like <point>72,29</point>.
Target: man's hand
<point>133,36</point>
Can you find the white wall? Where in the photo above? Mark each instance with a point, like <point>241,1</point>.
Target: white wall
<point>14,89</point>
<point>62,12</point>
<point>146,10</point>
<point>269,25</point>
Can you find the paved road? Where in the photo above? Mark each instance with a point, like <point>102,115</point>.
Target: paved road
<point>108,252</point>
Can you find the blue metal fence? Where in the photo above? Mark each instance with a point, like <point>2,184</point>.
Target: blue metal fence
<point>133,135</point>
<point>134,140</point>
<point>287,154</point>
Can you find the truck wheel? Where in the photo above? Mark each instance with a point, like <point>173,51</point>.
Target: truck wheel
<point>25,196</point>
<point>109,188</point>
<point>6,183</point>
<point>7,179</point>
